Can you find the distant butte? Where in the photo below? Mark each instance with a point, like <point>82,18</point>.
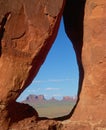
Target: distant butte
<point>37,98</point>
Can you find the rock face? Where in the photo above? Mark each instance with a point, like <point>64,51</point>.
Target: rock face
<point>92,103</point>
<point>27,31</point>
<point>68,98</point>
<point>91,54</point>
<point>34,98</point>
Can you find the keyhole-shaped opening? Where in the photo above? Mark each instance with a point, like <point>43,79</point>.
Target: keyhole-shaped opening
<point>53,92</point>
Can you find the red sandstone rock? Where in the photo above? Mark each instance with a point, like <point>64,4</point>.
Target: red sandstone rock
<point>92,102</point>
<point>76,126</point>
<point>68,98</point>
<point>27,31</point>
<point>89,42</point>
<point>26,35</point>
<point>34,98</point>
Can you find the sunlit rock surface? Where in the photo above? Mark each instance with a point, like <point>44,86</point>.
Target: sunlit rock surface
<point>27,31</point>
<point>90,112</point>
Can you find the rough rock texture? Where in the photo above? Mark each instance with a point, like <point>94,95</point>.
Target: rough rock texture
<point>31,124</point>
<point>92,99</point>
<point>27,31</point>
<point>90,47</point>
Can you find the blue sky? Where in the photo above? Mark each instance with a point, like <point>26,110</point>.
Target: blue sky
<point>58,76</point>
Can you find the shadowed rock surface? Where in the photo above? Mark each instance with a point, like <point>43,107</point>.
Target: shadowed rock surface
<point>27,31</point>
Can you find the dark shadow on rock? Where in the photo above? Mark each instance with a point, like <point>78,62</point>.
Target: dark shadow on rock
<point>2,29</point>
<point>1,36</point>
<point>73,20</point>
<point>43,118</point>
<point>20,111</point>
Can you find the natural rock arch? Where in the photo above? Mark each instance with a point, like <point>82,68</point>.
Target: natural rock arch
<point>26,36</point>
